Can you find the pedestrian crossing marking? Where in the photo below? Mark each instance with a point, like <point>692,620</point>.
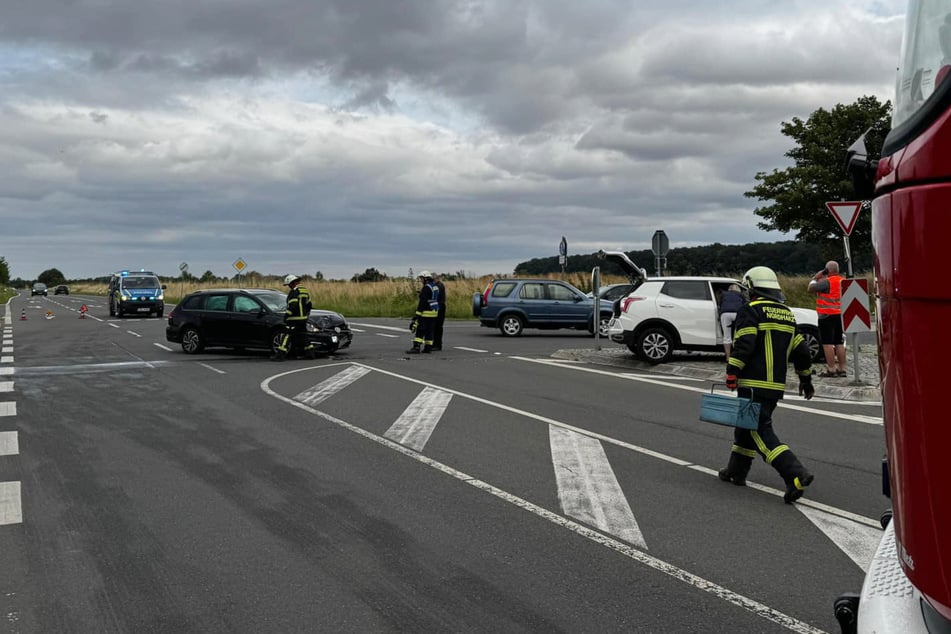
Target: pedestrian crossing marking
<point>9,446</point>
<point>417,422</point>
<point>588,490</point>
<point>325,389</point>
<point>11,511</point>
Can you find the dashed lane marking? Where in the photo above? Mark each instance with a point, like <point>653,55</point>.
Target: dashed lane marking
<point>9,445</point>
<point>163,347</point>
<point>386,334</point>
<point>134,334</point>
<point>469,349</point>
<point>11,511</point>
<point>8,408</point>
<point>213,369</point>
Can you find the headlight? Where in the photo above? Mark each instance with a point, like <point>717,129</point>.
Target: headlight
<point>124,298</point>
<point>160,296</point>
<point>311,327</point>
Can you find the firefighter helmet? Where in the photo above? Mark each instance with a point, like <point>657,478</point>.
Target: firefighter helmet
<point>290,279</point>
<point>763,281</point>
<point>426,275</point>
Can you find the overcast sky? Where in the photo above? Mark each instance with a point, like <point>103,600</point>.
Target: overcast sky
<point>453,135</point>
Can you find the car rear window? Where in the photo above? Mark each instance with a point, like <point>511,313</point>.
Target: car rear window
<point>503,289</point>
<point>216,302</point>
<point>192,302</point>
<point>687,289</point>
<point>559,292</point>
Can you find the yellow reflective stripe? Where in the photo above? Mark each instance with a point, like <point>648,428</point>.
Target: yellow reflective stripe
<point>777,326</point>
<point>759,443</point>
<point>768,455</point>
<point>749,330</point>
<point>772,455</point>
<point>737,363</point>
<point>763,385</point>
<point>427,313</point>
<point>768,353</point>
<point>743,451</point>
<point>805,372</point>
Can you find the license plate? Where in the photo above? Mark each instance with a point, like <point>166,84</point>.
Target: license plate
<point>143,310</point>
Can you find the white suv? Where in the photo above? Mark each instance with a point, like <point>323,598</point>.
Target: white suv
<point>664,314</point>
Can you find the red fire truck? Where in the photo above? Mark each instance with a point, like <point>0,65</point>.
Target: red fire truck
<point>908,586</point>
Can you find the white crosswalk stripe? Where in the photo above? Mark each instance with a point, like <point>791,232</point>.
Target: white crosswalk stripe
<point>588,490</point>
<point>325,389</point>
<point>11,511</point>
<point>9,445</point>
<point>417,422</point>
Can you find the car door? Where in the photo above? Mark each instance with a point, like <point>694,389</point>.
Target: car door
<point>689,305</point>
<point>216,325</point>
<point>567,305</point>
<point>532,301</point>
<point>249,325</point>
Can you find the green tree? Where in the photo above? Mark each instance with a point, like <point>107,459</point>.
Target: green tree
<point>207,276</point>
<point>799,193</point>
<point>51,277</point>
<point>4,272</point>
<point>370,275</point>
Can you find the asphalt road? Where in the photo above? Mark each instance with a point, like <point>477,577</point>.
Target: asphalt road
<point>484,488</point>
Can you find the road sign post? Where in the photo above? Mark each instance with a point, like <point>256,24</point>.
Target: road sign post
<point>846,212</point>
<point>660,245</point>
<point>596,311</point>
<point>563,254</point>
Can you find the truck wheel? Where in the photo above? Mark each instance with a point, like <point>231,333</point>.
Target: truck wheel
<point>511,326</point>
<point>655,345</point>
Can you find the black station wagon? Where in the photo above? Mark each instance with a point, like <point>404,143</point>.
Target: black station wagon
<point>247,318</point>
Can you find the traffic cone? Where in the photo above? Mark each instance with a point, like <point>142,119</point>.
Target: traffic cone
<point>23,315</point>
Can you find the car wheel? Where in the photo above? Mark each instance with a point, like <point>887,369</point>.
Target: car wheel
<point>511,326</point>
<point>602,327</point>
<point>276,337</point>
<point>815,346</point>
<point>655,345</point>
<point>192,343</point>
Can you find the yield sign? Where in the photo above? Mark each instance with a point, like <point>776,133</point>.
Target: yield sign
<point>845,213</point>
<point>855,313</point>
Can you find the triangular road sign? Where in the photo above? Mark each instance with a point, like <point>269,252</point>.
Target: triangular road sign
<point>845,213</point>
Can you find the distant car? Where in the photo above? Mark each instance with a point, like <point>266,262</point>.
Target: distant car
<point>62,289</point>
<point>613,292</point>
<point>247,318</point>
<point>664,314</point>
<point>511,305</point>
<point>136,293</point>
<point>39,289</point>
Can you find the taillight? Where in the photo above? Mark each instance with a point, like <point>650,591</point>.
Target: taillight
<point>485,295</point>
<point>627,301</point>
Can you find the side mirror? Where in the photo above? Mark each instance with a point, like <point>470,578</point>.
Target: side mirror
<point>861,168</point>
<point>164,286</point>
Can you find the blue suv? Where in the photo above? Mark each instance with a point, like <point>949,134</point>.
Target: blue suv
<point>513,305</point>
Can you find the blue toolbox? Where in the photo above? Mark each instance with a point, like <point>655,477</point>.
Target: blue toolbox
<point>733,411</point>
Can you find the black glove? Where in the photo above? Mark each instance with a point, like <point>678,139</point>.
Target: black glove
<point>413,323</point>
<point>805,387</point>
<point>731,381</point>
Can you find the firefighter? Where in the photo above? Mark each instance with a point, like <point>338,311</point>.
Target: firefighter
<point>764,342</point>
<point>427,309</point>
<point>441,317</point>
<point>295,321</point>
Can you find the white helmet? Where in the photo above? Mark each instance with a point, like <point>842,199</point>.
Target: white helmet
<point>426,275</point>
<point>763,280</point>
<point>290,279</point>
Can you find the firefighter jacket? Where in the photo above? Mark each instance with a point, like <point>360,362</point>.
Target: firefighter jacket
<point>829,303</point>
<point>428,305</point>
<point>298,304</point>
<point>764,342</point>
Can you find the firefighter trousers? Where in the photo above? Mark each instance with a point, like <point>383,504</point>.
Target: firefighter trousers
<point>764,441</point>
<point>295,338</point>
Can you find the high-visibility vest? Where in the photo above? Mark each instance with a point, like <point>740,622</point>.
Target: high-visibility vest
<point>830,303</point>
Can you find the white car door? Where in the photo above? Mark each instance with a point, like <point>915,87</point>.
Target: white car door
<point>689,305</point>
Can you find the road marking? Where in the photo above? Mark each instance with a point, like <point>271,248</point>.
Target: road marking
<point>10,509</point>
<point>134,334</point>
<point>85,367</point>
<point>7,349</point>
<point>469,349</point>
<point>386,334</point>
<point>588,490</point>
<point>324,390</point>
<point>417,422</point>
<point>627,550</point>
<point>8,408</point>
<point>6,386</point>
<point>205,365</point>
<point>158,345</point>
<point>6,371</point>
<point>406,329</point>
<point>7,359</point>
<point>114,325</point>
<point>860,543</point>
<point>858,418</point>
<point>9,446</point>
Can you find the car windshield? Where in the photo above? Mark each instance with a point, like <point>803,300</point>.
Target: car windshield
<point>39,286</point>
<point>141,282</point>
<point>925,58</point>
<point>272,299</point>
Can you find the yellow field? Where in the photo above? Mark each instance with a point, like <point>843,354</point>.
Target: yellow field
<point>397,298</point>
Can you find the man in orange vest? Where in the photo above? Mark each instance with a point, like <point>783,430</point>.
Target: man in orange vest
<point>827,287</point>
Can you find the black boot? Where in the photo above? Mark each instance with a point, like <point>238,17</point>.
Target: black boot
<point>427,349</point>
<point>796,487</point>
<point>796,477</point>
<point>736,470</point>
<point>414,349</point>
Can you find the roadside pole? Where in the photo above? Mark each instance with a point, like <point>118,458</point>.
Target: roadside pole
<point>846,213</point>
<point>596,314</point>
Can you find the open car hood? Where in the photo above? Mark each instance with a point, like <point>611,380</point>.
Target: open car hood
<point>636,274</point>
